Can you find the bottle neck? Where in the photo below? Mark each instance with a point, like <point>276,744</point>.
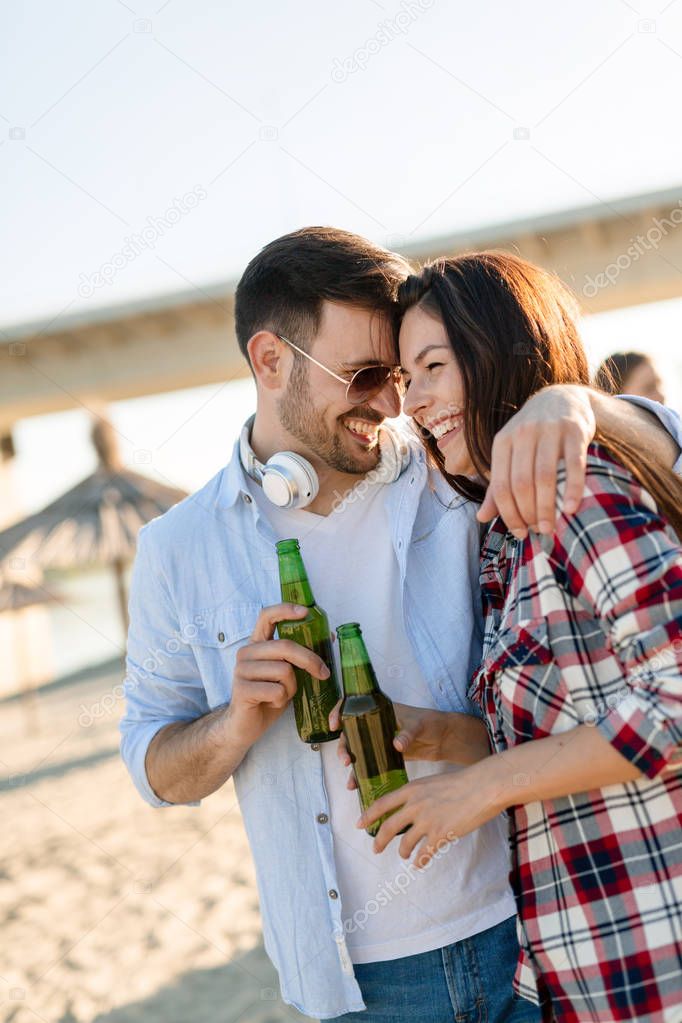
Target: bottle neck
<point>356,668</point>
<point>293,579</point>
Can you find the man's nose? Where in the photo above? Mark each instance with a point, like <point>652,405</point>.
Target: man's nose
<point>389,400</point>
<point>410,405</point>
<point>413,400</point>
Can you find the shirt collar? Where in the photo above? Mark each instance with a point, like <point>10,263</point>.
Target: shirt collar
<point>233,483</point>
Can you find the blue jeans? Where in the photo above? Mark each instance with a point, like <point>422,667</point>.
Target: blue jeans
<point>469,981</point>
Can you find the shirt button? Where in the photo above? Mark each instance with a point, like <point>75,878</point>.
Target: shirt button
<point>315,746</point>
<point>400,544</point>
<point>333,894</point>
<point>322,818</point>
<point>221,637</point>
<point>247,498</point>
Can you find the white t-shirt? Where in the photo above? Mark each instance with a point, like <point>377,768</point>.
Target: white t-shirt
<point>390,909</point>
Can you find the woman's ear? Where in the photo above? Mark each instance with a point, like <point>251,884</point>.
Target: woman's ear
<point>267,357</point>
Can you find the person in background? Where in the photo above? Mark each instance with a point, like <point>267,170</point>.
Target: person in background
<point>630,373</point>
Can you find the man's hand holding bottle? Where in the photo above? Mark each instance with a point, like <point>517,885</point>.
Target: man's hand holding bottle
<point>426,734</point>
<point>264,682</point>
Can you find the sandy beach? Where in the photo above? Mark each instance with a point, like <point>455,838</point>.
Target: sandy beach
<point>112,912</point>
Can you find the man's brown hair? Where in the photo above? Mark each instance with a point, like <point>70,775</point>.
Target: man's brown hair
<point>284,286</point>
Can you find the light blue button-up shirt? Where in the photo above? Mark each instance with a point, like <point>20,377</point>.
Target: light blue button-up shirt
<point>203,572</point>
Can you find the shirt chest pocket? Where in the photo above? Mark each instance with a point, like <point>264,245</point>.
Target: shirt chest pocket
<point>215,637</point>
<point>524,683</point>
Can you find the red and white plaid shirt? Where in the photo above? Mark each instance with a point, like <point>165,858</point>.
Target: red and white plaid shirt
<point>585,627</point>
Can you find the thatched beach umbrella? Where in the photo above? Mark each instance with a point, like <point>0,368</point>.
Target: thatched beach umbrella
<point>94,524</point>
<point>15,596</point>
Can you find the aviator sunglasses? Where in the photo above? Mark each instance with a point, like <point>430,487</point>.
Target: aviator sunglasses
<point>365,383</point>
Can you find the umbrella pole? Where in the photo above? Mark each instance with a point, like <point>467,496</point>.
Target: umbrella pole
<point>28,696</point>
<point>119,569</point>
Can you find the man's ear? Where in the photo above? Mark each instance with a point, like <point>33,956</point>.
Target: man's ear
<point>268,357</point>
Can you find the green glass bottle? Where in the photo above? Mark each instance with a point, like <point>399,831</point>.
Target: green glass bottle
<point>369,724</point>
<point>315,698</point>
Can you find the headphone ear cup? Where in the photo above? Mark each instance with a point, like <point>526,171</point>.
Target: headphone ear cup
<point>289,480</point>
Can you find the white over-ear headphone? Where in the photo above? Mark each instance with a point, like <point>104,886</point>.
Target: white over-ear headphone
<point>289,480</point>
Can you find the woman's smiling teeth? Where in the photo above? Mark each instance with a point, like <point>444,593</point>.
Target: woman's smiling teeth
<point>445,426</point>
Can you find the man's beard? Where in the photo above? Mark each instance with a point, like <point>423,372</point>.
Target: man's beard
<point>297,414</point>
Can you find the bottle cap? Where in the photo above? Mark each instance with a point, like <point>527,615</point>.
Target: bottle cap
<point>287,546</point>
<point>348,629</point>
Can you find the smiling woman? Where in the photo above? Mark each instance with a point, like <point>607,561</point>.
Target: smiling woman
<point>486,312</point>
<point>504,329</point>
<point>579,681</point>
<point>434,388</point>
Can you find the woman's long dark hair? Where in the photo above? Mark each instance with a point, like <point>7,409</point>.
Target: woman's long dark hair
<point>512,328</point>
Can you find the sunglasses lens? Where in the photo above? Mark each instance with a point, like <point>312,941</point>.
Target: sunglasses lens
<point>368,382</point>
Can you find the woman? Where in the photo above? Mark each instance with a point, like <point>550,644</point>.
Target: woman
<point>580,680</point>
<point>630,373</point>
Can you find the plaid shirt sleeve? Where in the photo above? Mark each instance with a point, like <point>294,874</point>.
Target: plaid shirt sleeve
<point>618,558</point>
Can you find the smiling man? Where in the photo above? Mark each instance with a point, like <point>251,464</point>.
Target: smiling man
<point>342,438</point>
<point>210,688</point>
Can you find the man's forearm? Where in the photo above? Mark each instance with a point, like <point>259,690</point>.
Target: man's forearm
<point>189,760</point>
<point>465,738</point>
<point>634,424</point>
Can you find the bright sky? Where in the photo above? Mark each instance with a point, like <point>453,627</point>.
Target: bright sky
<point>394,119</point>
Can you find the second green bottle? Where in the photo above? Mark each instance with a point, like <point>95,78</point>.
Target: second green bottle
<point>369,724</point>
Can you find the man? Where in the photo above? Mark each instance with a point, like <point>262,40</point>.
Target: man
<point>209,688</point>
